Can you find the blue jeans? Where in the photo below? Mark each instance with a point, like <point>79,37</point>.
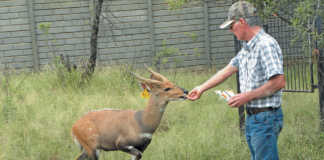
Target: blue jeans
<point>262,131</point>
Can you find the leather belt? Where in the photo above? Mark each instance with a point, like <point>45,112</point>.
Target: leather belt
<point>250,110</point>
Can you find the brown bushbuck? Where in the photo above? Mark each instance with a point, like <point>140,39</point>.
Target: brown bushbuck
<point>129,131</point>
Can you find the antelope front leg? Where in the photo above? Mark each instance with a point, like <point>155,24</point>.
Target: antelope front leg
<point>82,156</point>
<point>134,158</point>
<point>136,154</point>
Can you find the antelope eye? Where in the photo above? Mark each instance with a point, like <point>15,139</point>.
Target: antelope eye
<point>167,89</point>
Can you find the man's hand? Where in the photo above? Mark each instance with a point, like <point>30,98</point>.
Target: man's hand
<point>195,93</point>
<point>239,100</point>
<point>275,83</point>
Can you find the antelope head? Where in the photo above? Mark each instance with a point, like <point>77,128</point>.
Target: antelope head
<point>161,87</point>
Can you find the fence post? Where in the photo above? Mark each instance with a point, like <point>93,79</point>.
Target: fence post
<point>207,34</point>
<point>321,87</point>
<point>32,26</point>
<point>241,110</point>
<point>320,75</point>
<point>152,31</point>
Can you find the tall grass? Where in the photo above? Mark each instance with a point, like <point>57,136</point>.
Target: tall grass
<point>38,110</point>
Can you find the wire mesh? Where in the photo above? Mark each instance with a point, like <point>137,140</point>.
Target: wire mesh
<point>297,56</point>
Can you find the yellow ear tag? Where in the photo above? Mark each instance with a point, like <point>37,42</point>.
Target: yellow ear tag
<point>145,94</point>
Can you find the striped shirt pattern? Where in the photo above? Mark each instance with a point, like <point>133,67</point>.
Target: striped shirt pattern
<point>258,61</point>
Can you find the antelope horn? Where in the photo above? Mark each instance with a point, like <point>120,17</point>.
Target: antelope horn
<point>145,80</point>
<point>155,75</point>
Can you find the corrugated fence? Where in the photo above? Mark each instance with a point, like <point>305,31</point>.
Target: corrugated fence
<point>32,32</point>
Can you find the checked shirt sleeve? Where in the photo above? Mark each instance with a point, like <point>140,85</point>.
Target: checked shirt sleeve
<point>271,59</point>
<point>235,61</point>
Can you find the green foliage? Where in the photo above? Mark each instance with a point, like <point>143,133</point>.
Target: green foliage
<point>299,14</point>
<point>205,129</point>
<point>193,36</point>
<point>162,57</point>
<point>45,26</point>
<point>177,4</point>
<point>64,77</point>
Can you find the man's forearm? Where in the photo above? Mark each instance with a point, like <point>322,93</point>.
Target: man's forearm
<point>218,78</point>
<point>273,85</point>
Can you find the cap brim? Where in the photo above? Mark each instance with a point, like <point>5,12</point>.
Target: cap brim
<point>226,24</point>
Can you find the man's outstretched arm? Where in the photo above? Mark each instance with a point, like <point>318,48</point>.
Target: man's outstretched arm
<point>215,80</point>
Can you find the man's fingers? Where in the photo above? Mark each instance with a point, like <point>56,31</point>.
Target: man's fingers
<point>233,101</point>
<point>193,95</point>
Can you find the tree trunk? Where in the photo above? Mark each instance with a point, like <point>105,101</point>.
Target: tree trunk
<point>91,65</point>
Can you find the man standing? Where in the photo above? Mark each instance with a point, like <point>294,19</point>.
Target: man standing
<point>260,66</point>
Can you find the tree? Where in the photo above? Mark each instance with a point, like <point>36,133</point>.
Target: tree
<point>301,14</point>
<point>90,67</point>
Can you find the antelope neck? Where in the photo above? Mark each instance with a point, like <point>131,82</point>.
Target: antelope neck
<point>149,118</point>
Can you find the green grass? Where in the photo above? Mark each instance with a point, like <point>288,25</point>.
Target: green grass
<point>38,110</point>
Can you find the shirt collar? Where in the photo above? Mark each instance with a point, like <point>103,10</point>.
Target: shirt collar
<point>250,45</point>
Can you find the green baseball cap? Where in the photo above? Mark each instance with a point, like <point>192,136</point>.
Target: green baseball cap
<point>240,9</point>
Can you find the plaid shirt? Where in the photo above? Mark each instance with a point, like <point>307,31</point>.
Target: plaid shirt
<point>257,62</point>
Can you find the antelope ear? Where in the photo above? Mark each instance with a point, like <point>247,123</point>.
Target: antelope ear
<point>145,86</point>
<point>139,78</point>
<point>145,81</point>
<point>155,75</point>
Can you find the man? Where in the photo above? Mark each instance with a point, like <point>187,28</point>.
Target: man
<point>260,66</point>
